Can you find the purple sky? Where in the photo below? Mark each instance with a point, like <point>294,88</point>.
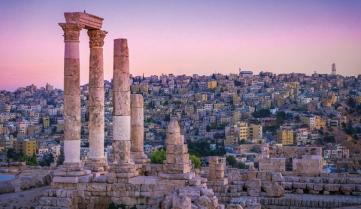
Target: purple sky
<point>185,37</point>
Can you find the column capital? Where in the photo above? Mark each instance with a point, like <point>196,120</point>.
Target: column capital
<point>96,38</point>
<point>71,31</point>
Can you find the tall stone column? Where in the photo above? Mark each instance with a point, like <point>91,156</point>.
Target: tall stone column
<point>121,102</point>
<point>123,166</point>
<point>72,118</point>
<point>137,128</point>
<point>96,161</point>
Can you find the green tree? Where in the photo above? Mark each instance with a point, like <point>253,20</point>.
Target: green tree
<point>281,116</point>
<point>158,156</point>
<point>31,160</point>
<point>47,159</point>
<point>196,161</point>
<point>231,160</point>
<point>262,113</point>
<point>201,148</point>
<point>13,155</point>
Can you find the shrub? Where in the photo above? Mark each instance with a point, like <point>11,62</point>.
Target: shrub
<point>196,161</point>
<point>158,156</point>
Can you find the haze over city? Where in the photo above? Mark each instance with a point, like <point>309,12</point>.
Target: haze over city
<point>180,37</point>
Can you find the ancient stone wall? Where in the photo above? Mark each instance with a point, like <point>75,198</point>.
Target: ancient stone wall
<point>311,165</point>
<point>272,164</point>
<point>345,184</point>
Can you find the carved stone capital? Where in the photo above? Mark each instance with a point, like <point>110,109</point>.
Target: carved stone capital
<point>96,38</point>
<point>71,31</point>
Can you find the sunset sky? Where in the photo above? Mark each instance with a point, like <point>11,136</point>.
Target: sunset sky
<point>184,37</point>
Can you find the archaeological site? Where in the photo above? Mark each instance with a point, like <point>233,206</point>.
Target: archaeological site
<point>127,179</point>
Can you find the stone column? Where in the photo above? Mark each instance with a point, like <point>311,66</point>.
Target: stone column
<point>217,166</point>
<point>177,164</point>
<point>72,119</point>
<point>137,128</point>
<point>121,103</point>
<point>96,161</point>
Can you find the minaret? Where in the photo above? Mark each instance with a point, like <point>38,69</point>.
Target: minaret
<point>333,69</point>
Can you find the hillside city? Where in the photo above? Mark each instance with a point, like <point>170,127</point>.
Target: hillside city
<point>256,121</point>
<point>152,126</point>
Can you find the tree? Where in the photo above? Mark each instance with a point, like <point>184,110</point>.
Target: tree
<point>158,156</point>
<point>31,160</point>
<point>231,160</point>
<point>11,154</point>
<point>196,161</point>
<point>262,113</point>
<point>47,159</point>
<point>281,116</point>
<point>201,148</point>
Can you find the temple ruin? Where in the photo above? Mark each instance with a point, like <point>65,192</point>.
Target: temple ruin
<point>129,180</point>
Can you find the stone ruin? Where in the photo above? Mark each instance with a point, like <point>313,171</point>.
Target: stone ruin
<point>130,181</point>
<point>96,183</point>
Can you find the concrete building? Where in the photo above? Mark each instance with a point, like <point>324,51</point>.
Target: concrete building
<point>26,147</point>
<point>212,84</point>
<point>285,136</point>
<point>255,132</point>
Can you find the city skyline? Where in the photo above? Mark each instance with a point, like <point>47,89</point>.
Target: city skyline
<point>183,38</point>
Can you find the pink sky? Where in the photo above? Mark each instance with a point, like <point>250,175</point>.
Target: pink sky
<point>185,38</point>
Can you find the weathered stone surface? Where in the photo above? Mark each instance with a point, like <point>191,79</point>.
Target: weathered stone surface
<point>273,189</point>
<point>72,82</point>
<point>137,123</point>
<point>121,103</point>
<point>71,31</point>
<point>121,83</point>
<point>6,187</point>
<point>277,177</point>
<point>253,187</point>
<point>71,87</point>
<point>71,151</point>
<point>64,179</point>
<point>180,163</point>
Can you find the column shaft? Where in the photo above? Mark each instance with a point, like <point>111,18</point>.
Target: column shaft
<point>121,103</point>
<point>137,123</point>
<point>96,95</point>
<point>72,118</point>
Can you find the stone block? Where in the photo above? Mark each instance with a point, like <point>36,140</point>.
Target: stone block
<point>296,185</point>
<point>287,185</point>
<point>68,180</point>
<point>347,187</point>
<point>121,103</point>
<point>277,177</point>
<point>318,187</point>
<point>332,187</point>
<point>272,189</point>
<point>97,187</point>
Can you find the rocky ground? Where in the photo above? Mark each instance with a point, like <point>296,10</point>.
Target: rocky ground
<point>21,200</point>
<point>27,179</point>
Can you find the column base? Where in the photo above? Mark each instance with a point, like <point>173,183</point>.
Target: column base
<point>124,169</point>
<point>96,165</point>
<point>139,158</point>
<point>71,173</point>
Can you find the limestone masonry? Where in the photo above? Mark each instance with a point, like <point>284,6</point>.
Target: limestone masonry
<point>128,179</point>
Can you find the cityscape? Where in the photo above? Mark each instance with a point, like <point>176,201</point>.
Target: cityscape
<point>245,139</point>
